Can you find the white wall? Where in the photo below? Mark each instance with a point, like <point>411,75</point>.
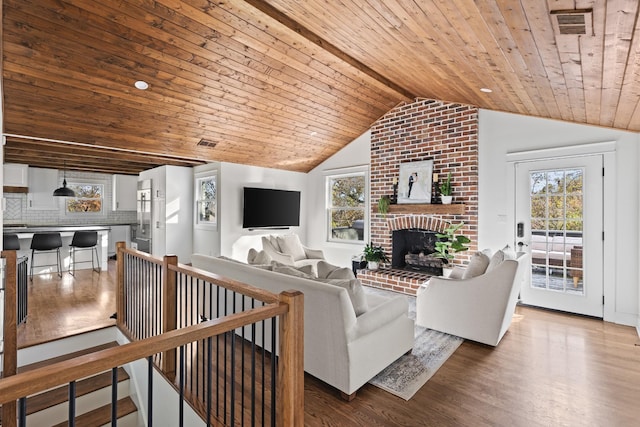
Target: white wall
<point>357,153</point>
<point>236,241</point>
<point>500,133</point>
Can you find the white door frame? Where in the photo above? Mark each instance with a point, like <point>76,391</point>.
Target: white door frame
<point>607,150</point>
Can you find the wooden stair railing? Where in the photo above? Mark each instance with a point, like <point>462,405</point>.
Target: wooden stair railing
<point>291,379</point>
<point>10,356</point>
<point>287,306</point>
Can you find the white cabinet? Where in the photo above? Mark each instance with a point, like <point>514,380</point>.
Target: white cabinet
<point>172,211</point>
<point>15,175</point>
<point>124,192</point>
<point>42,184</point>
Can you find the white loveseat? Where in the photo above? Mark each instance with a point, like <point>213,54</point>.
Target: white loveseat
<point>340,349</point>
<point>478,308</point>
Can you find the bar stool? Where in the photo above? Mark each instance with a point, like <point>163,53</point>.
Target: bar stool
<point>82,241</point>
<point>46,243</point>
<point>10,242</point>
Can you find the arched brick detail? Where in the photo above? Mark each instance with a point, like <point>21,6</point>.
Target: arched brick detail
<point>423,222</point>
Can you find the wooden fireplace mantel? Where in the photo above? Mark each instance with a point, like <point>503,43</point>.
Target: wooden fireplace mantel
<point>426,208</point>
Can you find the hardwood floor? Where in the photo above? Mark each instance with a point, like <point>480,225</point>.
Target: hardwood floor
<point>59,307</point>
<point>551,369</point>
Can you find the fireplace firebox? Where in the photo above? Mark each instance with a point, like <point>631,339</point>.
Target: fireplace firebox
<point>411,250</point>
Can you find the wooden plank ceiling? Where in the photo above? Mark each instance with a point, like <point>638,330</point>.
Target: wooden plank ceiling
<point>287,83</point>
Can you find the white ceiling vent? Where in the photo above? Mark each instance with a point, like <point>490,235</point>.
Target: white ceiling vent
<point>573,22</point>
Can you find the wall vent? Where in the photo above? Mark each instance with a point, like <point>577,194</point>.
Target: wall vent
<point>207,143</point>
<point>573,22</point>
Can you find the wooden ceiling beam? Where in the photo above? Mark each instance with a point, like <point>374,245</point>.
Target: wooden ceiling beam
<point>296,27</point>
<point>85,167</point>
<point>95,160</point>
<point>97,151</point>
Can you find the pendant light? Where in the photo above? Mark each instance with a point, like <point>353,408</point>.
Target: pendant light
<point>64,191</point>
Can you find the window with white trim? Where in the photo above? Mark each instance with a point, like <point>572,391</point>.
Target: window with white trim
<point>207,201</point>
<point>89,199</point>
<point>346,207</point>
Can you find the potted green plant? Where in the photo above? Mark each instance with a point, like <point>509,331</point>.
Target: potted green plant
<point>446,191</point>
<point>383,205</point>
<point>450,242</point>
<point>374,255</point>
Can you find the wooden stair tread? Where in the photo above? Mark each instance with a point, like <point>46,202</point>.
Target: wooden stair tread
<point>102,415</point>
<point>67,356</point>
<point>59,395</point>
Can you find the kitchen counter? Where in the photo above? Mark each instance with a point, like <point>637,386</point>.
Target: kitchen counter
<point>9,229</point>
<point>83,258</point>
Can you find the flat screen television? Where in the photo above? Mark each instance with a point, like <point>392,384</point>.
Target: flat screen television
<point>270,208</point>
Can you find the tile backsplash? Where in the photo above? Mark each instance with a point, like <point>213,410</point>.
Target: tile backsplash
<point>14,207</point>
<point>16,211</point>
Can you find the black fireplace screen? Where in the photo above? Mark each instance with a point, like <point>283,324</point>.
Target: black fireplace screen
<point>412,249</point>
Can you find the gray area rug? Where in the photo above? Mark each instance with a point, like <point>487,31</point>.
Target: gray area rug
<point>409,373</point>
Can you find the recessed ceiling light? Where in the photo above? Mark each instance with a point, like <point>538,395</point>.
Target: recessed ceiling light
<point>485,90</point>
<point>141,84</point>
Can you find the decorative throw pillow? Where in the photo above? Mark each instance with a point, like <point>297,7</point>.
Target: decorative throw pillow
<point>356,293</point>
<point>274,242</point>
<point>292,271</point>
<point>477,265</point>
<point>496,260</point>
<point>268,245</point>
<point>290,245</point>
<point>324,269</point>
<point>251,255</point>
<point>261,257</point>
<point>307,269</point>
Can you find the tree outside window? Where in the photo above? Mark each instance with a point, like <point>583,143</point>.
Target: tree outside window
<point>89,198</point>
<point>557,201</point>
<point>346,207</point>
<point>206,200</point>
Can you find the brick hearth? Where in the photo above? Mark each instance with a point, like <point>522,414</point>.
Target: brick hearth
<point>403,281</point>
<point>422,130</point>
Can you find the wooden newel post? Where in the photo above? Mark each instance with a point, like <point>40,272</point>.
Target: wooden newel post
<point>120,247</point>
<point>291,361</point>
<point>169,311</point>
<point>10,359</point>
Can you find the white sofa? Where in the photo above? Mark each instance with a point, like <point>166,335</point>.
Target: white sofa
<point>340,349</point>
<point>478,308</point>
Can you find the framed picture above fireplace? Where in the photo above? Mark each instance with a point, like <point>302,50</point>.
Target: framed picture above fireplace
<point>414,183</point>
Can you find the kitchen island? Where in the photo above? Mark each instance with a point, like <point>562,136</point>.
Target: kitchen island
<point>83,258</point>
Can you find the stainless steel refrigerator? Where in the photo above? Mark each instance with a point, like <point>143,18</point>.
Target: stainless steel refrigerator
<point>143,232</point>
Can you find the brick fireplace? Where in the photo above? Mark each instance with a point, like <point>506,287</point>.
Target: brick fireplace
<point>425,129</point>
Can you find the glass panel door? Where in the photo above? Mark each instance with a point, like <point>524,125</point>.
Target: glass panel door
<point>556,200</point>
<point>559,203</point>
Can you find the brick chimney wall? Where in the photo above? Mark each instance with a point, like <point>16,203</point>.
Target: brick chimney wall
<point>427,129</point>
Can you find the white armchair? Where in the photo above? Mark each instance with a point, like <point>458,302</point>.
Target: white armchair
<point>479,308</point>
<point>287,249</point>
